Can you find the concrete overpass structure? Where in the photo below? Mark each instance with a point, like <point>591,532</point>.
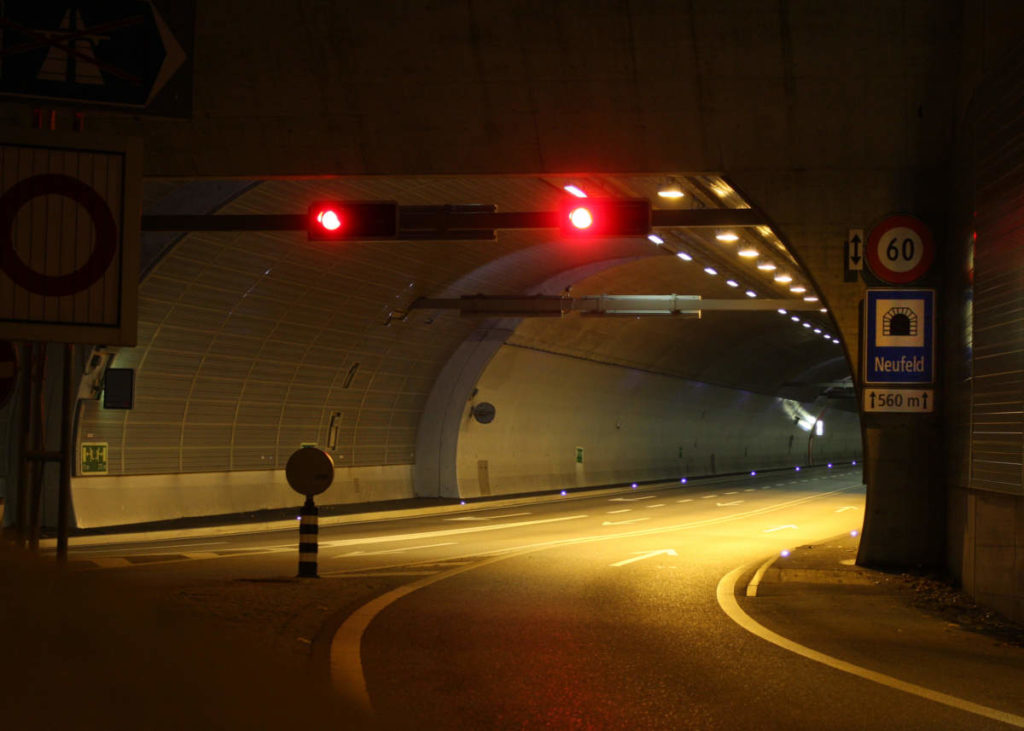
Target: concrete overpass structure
<point>821,117</point>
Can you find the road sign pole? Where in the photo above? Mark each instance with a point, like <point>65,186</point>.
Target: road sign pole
<point>21,517</point>
<point>308,531</point>
<point>38,444</point>
<point>66,450</point>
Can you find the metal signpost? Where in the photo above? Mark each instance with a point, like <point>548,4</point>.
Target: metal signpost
<point>310,471</point>
<point>69,231</point>
<point>898,327</point>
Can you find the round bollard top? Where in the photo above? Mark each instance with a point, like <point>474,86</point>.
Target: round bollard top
<point>310,471</point>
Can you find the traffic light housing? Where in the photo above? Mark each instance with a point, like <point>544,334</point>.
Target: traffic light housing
<point>586,217</point>
<point>334,220</point>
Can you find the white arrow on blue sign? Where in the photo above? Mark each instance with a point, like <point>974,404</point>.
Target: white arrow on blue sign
<point>899,336</point>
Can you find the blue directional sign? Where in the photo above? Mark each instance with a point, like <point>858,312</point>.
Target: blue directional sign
<point>124,53</point>
<point>899,336</point>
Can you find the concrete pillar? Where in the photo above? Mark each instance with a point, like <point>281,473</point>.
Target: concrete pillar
<point>904,520</point>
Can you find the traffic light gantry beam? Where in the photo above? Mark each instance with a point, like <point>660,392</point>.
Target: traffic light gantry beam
<point>449,222</point>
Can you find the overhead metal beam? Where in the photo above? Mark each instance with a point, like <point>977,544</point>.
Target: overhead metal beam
<point>454,221</point>
<point>623,305</point>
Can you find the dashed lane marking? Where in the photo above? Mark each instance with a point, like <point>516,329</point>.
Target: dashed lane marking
<point>392,550</point>
<point>468,518</point>
<point>623,510</point>
<point>145,559</point>
<point>623,522</point>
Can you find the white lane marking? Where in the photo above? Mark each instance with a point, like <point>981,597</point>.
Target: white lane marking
<point>687,500</point>
<point>768,487</point>
<point>707,497</point>
<point>656,505</point>
<point>844,509</point>
<point>749,489</point>
<point>488,517</point>
<point>441,533</point>
<point>645,555</point>
<point>758,575</point>
<point>731,493</point>
<point>392,550</point>
<point>789,526</point>
<point>728,504</point>
<point>346,658</point>
<point>726,593</point>
<point>630,499</point>
<point>623,522</point>
<point>623,510</point>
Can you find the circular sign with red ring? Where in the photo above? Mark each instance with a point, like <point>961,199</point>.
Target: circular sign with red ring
<point>900,249</point>
<point>104,247</point>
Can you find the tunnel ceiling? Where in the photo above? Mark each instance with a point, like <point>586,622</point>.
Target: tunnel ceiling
<point>248,341</point>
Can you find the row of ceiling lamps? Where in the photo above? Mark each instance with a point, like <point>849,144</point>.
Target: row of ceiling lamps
<point>711,271</point>
<point>672,190</point>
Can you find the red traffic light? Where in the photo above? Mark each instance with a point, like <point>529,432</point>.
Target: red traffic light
<point>352,220</point>
<point>329,219</point>
<point>605,217</point>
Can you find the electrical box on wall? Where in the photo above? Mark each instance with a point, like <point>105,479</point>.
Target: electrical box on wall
<point>119,388</point>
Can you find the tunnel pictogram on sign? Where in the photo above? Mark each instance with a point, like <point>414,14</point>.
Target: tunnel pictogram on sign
<point>899,321</point>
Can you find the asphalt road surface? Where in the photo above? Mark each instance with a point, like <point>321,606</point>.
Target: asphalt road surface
<point>596,610</point>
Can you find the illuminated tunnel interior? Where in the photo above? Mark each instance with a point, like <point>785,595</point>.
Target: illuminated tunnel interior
<point>252,344</point>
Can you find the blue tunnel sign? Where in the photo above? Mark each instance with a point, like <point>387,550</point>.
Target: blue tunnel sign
<point>899,336</point>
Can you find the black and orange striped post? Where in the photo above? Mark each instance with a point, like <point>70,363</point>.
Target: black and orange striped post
<point>310,471</point>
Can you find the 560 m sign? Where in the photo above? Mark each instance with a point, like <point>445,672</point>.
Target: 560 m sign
<point>900,400</point>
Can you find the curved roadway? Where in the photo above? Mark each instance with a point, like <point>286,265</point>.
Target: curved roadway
<point>585,611</point>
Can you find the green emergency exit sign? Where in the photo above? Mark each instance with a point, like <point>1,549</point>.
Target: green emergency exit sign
<point>94,458</point>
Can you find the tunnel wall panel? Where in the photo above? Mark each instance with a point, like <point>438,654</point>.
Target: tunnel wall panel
<point>127,499</point>
<point>632,425</point>
<point>985,331</point>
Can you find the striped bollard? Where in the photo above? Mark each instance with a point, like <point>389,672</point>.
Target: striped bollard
<point>310,471</point>
<point>308,530</point>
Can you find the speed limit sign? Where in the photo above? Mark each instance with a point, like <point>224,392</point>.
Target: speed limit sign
<point>900,249</point>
